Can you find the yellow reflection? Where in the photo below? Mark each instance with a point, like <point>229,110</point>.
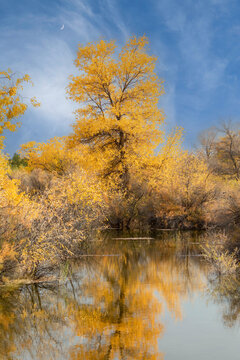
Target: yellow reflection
<point>110,308</point>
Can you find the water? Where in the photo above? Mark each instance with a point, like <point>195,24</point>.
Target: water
<point>149,299</point>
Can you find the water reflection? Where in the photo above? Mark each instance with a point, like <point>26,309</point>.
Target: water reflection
<point>109,307</point>
<point>225,291</point>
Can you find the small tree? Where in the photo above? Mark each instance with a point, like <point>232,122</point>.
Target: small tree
<point>228,150</point>
<point>221,148</point>
<point>16,161</point>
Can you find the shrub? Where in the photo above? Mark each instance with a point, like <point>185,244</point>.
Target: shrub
<point>215,252</point>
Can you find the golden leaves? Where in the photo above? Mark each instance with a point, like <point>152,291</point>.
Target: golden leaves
<point>11,103</point>
<point>118,121</point>
<point>34,102</point>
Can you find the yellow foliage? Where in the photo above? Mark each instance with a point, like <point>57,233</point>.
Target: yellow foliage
<point>11,104</point>
<point>51,156</point>
<point>7,252</point>
<point>183,186</point>
<point>66,211</point>
<point>119,120</point>
<point>9,194</point>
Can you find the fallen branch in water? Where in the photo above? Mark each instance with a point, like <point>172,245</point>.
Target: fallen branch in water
<point>134,238</point>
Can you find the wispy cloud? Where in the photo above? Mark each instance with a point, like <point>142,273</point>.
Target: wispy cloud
<point>194,31</point>
<point>196,43</point>
<point>38,47</point>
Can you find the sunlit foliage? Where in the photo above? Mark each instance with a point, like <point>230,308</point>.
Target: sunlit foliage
<point>118,120</point>
<point>11,103</point>
<point>50,156</point>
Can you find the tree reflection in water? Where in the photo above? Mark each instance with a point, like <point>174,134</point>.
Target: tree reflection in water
<point>108,308</point>
<point>225,291</point>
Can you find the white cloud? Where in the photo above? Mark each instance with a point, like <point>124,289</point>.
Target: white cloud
<point>51,63</point>
<point>39,48</point>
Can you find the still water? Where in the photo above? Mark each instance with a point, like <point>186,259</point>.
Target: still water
<point>133,299</point>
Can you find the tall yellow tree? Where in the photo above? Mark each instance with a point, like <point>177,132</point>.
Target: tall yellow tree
<point>118,118</point>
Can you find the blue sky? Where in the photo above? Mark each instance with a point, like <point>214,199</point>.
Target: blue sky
<point>196,42</point>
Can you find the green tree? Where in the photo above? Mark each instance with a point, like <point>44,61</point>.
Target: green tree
<point>16,161</point>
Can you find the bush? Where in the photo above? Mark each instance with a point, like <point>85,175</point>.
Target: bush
<point>215,251</point>
<point>51,226</point>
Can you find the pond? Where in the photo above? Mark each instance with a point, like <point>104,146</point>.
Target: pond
<point>148,298</point>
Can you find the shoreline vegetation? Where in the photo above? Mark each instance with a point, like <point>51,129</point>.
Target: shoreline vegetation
<point>118,168</point>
